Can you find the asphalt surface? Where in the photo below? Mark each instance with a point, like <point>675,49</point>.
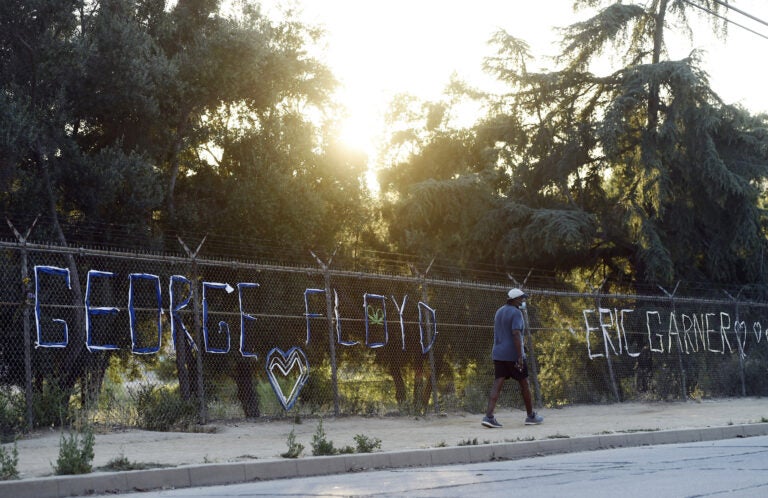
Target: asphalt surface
<point>724,468</point>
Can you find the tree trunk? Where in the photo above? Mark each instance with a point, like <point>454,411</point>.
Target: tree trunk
<point>246,393</point>
<point>400,390</point>
<point>182,366</point>
<point>658,41</point>
<point>77,359</point>
<point>173,162</point>
<point>422,386</point>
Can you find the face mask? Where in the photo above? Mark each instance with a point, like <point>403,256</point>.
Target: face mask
<point>522,305</point>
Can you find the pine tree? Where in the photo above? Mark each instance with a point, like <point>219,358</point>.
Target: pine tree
<point>639,172</point>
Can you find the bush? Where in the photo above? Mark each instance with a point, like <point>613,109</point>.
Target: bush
<point>75,454</point>
<point>9,461</point>
<point>366,444</point>
<point>11,414</point>
<point>50,406</point>
<point>121,463</point>
<point>320,445</point>
<point>294,448</point>
<point>161,409</point>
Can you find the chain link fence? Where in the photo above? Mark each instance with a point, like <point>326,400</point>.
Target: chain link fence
<point>163,342</point>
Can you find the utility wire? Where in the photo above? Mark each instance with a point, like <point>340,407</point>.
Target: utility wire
<point>731,7</point>
<point>708,11</point>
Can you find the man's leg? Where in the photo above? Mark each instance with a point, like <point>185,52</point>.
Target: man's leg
<point>526,392</point>
<point>532,418</point>
<point>494,396</point>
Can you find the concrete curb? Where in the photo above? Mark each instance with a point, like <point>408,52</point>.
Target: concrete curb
<point>239,472</point>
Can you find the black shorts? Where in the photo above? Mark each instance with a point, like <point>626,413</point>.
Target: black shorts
<point>509,369</point>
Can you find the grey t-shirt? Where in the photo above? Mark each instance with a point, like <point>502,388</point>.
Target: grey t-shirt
<point>507,319</point>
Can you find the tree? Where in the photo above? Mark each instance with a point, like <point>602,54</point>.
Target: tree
<point>642,174</point>
<point>437,185</point>
<point>48,52</point>
<point>133,121</point>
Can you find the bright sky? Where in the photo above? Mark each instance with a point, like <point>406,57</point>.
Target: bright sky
<point>379,48</point>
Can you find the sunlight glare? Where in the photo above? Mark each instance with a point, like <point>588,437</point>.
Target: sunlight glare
<point>379,49</point>
<point>357,132</point>
<point>372,182</point>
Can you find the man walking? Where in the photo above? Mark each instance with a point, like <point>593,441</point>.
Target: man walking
<point>509,357</point>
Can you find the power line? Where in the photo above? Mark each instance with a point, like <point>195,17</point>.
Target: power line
<point>731,7</point>
<point>708,11</point>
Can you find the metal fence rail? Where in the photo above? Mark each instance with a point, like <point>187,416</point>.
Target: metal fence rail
<point>161,341</point>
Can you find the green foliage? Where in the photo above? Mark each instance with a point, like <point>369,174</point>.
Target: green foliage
<point>468,442</point>
<point>362,398</point>
<point>317,392</point>
<point>476,388</point>
<point>109,116</point>
<point>365,444</point>
<point>114,402</point>
<point>320,445</point>
<point>166,368</point>
<point>641,173</point>
<point>50,406</point>
<point>9,461</point>
<point>561,359</point>
<point>294,448</point>
<point>11,414</point>
<point>121,463</point>
<point>75,453</point>
<point>162,409</point>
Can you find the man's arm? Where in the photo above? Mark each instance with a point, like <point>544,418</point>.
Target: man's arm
<point>517,338</point>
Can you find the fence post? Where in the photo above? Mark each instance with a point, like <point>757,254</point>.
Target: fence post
<point>534,368</point>
<point>683,380</point>
<point>608,361</point>
<point>202,408</point>
<point>26,290</point>
<point>425,299</point>
<point>331,336</point>
<point>738,341</point>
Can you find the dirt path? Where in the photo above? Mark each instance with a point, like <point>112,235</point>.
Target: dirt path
<point>247,440</point>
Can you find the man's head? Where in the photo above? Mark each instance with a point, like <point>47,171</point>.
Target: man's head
<point>516,296</point>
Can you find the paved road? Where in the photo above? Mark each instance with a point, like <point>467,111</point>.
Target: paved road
<point>725,468</point>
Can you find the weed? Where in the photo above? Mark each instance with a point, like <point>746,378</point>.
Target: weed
<point>119,463</point>
<point>320,445</point>
<point>558,436</point>
<point>366,444</point>
<point>9,461</point>
<point>294,448</point>
<point>75,454</point>
<point>518,440</point>
<point>122,463</point>
<point>468,442</point>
